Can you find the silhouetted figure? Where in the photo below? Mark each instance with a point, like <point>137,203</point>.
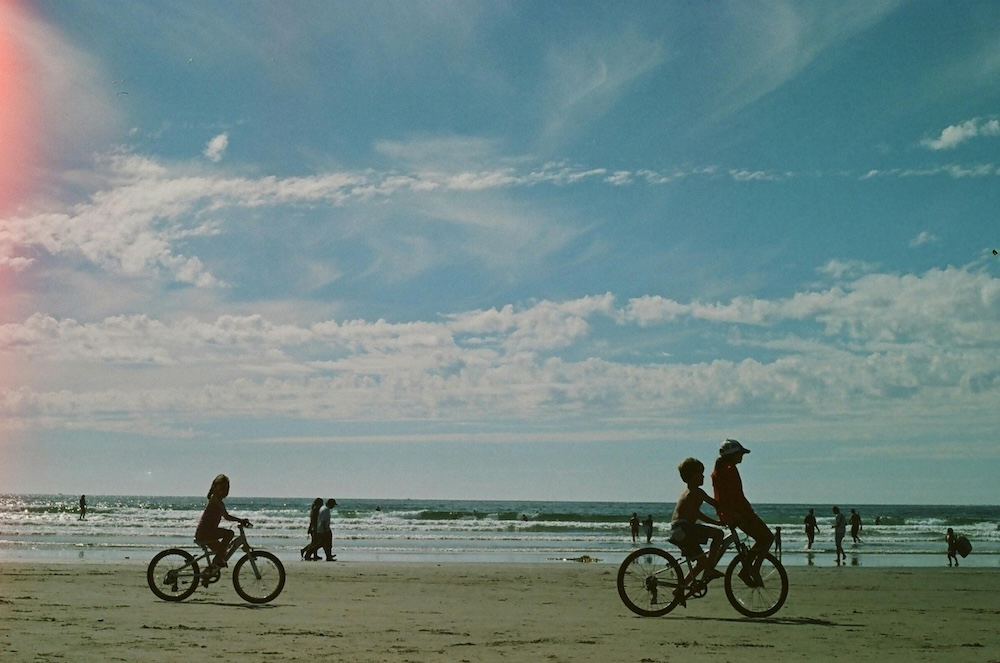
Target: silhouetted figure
<point>688,534</point>
<point>855,526</point>
<point>634,526</point>
<point>209,533</point>
<point>839,532</point>
<point>83,507</point>
<point>735,509</point>
<point>952,540</point>
<point>308,553</point>
<point>325,531</point>
<point>777,542</point>
<point>647,525</point>
<point>811,528</point>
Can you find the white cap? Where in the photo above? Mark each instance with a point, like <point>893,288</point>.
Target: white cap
<point>730,447</point>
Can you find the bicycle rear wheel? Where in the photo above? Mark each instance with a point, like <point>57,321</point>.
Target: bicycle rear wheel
<point>646,582</point>
<point>757,599</point>
<point>173,574</point>
<point>259,577</point>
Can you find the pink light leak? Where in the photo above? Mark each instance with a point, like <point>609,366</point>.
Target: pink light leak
<point>19,111</point>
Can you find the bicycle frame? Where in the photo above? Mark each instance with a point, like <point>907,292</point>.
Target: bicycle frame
<point>238,543</point>
<point>734,540</point>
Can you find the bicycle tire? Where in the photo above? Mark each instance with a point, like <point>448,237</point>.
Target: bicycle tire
<point>642,575</point>
<point>173,574</point>
<point>265,583</point>
<point>758,601</point>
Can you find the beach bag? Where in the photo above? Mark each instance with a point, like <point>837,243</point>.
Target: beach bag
<point>963,546</point>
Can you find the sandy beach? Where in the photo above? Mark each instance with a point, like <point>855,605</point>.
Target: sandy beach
<point>361,612</point>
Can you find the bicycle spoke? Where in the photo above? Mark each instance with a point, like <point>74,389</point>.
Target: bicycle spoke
<point>646,582</point>
<point>757,593</point>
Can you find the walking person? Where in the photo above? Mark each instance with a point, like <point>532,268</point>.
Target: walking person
<point>952,542</point>
<point>839,532</point>
<point>647,525</point>
<point>856,527</point>
<point>83,507</point>
<point>634,526</point>
<point>308,553</point>
<point>325,532</point>
<point>811,528</point>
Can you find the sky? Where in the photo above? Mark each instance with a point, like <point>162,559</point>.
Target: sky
<point>500,250</point>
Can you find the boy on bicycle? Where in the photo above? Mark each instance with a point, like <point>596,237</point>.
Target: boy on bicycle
<point>685,531</point>
<point>735,509</point>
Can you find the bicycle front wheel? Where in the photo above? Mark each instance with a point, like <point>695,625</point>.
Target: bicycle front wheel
<point>647,580</point>
<point>753,597</point>
<point>173,574</point>
<point>259,577</point>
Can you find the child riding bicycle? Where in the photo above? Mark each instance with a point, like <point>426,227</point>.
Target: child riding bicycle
<point>687,533</point>
<point>209,533</point>
<point>735,509</point>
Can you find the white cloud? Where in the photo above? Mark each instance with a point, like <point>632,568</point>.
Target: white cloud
<point>909,346</point>
<point>956,134</point>
<point>923,238</point>
<point>216,147</point>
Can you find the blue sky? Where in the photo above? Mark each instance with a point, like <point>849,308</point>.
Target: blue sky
<point>527,250</point>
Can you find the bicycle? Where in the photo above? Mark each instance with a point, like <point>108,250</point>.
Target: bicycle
<point>644,572</point>
<point>258,577</point>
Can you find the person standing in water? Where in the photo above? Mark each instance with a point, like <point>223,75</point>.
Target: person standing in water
<point>811,528</point>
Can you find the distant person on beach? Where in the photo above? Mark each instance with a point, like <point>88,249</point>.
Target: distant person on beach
<point>634,526</point>
<point>777,542</point>
<point>325,531</point>
<point>83,507</point>
<point>811,528</point>
<point>952,540</point>
<point>856,527</point>
<point>735,509</point>
<point>308,553</point>
<point>647,525</point>
<point>839,531</point>
<point>685,531</point>
<point>209,533</point>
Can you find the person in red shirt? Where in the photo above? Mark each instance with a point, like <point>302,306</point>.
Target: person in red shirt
<point>732,505</point>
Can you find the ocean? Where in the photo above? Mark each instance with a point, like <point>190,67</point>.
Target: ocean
<point>134,528</point>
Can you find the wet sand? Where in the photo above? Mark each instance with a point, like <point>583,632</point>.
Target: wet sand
<point>360,612</point>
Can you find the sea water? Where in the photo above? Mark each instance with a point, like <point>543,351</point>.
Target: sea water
<point>133,528</point>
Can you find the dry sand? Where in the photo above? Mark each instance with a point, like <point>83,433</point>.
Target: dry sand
<point>359,612</point>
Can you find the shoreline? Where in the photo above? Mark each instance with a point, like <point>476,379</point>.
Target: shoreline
<point>86,554</point>
<point>418,611</point>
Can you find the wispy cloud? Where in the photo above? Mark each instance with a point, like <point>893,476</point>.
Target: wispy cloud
<point>588,77</point>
